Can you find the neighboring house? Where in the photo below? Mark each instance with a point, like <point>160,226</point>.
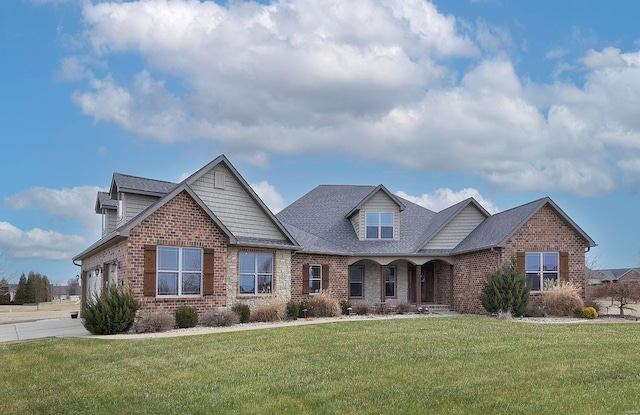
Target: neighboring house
<point>598,276</point>
<point>210,241</point>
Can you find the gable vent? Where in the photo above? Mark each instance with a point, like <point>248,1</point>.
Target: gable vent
<point>219,180</point>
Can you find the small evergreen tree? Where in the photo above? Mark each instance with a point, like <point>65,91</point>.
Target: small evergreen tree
<point>506,290</point>
<point>22,292</point>
<point>5,297</point>
<point>111,312</point>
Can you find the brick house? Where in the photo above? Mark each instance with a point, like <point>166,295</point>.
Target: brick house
<point>210,241</point>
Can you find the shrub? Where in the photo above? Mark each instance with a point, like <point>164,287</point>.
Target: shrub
<point>305,305</point>
<point>344,306</point>
<point>505,290</point>
<point>324,305</point>
<point>586,312</point>
<point>593,304</point>
<point>186,316</point>
<point>293,310</point>
<point>111,312</point>
<point>561,299</point>
<point>154,322</point>
<point>243,311</point>
<point>404,308</point>
<point>361,309</point>
<point>269,312</point>
<point>382,308</point>
<point>533,311</point>
<point>220,319</point>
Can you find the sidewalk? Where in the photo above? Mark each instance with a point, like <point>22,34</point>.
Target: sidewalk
<point>42,328</point>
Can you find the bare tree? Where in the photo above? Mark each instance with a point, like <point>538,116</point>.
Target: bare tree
<point>622,293</point>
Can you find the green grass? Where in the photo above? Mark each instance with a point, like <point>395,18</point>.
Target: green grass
<point>466,365</point>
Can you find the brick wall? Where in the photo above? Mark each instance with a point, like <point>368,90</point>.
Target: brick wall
<point>181,222</point>
<point>544,232</point>
<point>338,274</point>
<point>548,232</point>
<point>469,273</point>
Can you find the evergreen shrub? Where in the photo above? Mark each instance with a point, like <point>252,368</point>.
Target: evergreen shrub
<point>505,290</point>
<point>186,317</point>
<point>586,312</point>
<point>111,312</point>
<point>243,311</point>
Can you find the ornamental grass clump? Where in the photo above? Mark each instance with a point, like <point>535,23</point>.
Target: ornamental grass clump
<point>324,305</point>
<point>505,290</point>
<point>220,319</point>
<point>561,299</point>
<point>186,317</point>
<point>111,312</point>
<point>154,322</point>
<point>269,312</point>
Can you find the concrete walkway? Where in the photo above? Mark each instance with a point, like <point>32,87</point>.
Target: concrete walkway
<point>69,327</point>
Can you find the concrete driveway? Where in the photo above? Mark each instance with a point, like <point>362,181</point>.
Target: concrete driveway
<point>69,327</point>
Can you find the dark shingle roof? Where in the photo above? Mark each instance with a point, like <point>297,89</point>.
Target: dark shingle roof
<point>141,185</point>
<point>318,222</point>
<point>103,201</point>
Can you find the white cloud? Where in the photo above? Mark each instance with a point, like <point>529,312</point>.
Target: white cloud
<point>370,79</point>
<point>609,57</point>
<point>444,198</point>
<point>39,244</point>
<point>64,204</point>
<point>269,195</point>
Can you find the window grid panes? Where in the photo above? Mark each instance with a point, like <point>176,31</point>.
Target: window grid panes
<point>256,273</point>
<point>541,267</point>
<point>315,279</point>
<point>356,281</point>
<point>179,271</point>
<point>379,225</point>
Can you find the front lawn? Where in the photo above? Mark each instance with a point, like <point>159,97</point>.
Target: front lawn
<point>469,365</point>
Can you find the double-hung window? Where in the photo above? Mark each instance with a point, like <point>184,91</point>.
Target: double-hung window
<point>379,225</point>
<point>541,267</point>
<point>356,281</point>
<point>315,279</point>
<point>179,271</point>
<point>256,273</point>
<point>389,281</point>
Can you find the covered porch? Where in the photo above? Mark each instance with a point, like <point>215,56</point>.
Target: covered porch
<point>425,282</point>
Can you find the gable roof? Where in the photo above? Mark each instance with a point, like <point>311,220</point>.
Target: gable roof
<point>319,221</point>
<point>104,201</point>
<point>496,230</point>
<point>139,185</point>
<point>445,216</point>
<point>379,188</point>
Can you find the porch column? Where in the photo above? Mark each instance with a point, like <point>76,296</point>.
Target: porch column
<point>418,286</point>
<point>382,291</point>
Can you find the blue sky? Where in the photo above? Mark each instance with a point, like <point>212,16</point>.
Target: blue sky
<point>503,101</point>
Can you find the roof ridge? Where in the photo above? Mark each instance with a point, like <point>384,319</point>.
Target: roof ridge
<point>143,178</point>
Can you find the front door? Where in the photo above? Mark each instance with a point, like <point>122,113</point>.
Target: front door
<point>427,285</point>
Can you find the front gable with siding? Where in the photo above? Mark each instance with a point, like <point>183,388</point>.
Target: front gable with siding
<point>183,246</point>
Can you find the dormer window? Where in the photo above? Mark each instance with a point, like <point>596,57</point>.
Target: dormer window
<point>379,225</point>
